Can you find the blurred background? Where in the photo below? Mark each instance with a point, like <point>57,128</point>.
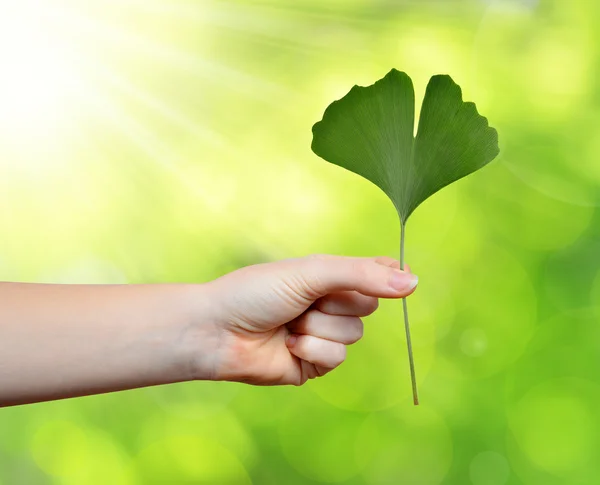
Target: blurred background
<point>169,140</point>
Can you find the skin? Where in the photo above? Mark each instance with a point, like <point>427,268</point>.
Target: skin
<point>278,323</point>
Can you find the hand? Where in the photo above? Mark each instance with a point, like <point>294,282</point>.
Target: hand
<point>290,321</point>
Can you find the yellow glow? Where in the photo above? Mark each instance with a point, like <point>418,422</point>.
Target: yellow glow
<point>37,79</point>
<point>69,67</point>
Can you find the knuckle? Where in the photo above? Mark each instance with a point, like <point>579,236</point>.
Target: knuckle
<point>360,268</point>
<point>323,304</point>
<point>304,322</point>
<point>311,282</point>
<point>354,329</point>
<point>359,329</point>
<point>371,306</point>
<point>338,355</point>
<point>301,345</point>
<point>311,318</point>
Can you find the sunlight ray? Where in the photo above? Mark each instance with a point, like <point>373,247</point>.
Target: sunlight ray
<point>258,22</point>
<point>130,44</point>
<point>167,160</point>
<point>140,136</point>
<point>177,118</point>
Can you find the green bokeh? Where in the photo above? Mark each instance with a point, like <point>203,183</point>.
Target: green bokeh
<point>190,157</point>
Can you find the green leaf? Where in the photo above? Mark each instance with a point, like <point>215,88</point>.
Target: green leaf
<point>370,132</point>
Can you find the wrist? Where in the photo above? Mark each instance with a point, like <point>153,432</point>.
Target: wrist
<point>197,336</point>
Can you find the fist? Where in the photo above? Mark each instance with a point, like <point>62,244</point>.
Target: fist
<point>290,321</point>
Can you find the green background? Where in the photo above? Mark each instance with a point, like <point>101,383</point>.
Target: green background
<point>183,152</point>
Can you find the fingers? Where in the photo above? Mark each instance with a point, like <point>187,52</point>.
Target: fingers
<point>342,289</point>
<point>393,263</point>
<point>311,371</point>
<point>342,329</point>
<point>319,341</point>
<point>318,351</point>
<point>347,303</point>
<point>323,274</point>
<point>387,261</point>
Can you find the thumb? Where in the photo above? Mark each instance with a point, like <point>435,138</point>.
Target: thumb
<point>324,274</point>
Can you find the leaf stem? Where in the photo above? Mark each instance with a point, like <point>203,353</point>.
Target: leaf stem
<point>411,362</point>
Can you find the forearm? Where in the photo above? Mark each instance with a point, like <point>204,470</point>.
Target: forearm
<point>59,341</point>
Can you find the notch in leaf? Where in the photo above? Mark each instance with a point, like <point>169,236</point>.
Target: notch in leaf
<point>370,132</point>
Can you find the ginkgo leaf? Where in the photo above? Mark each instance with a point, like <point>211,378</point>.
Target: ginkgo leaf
<point>370,131</point>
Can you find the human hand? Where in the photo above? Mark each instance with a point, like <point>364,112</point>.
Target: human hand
<point>290,321</point>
